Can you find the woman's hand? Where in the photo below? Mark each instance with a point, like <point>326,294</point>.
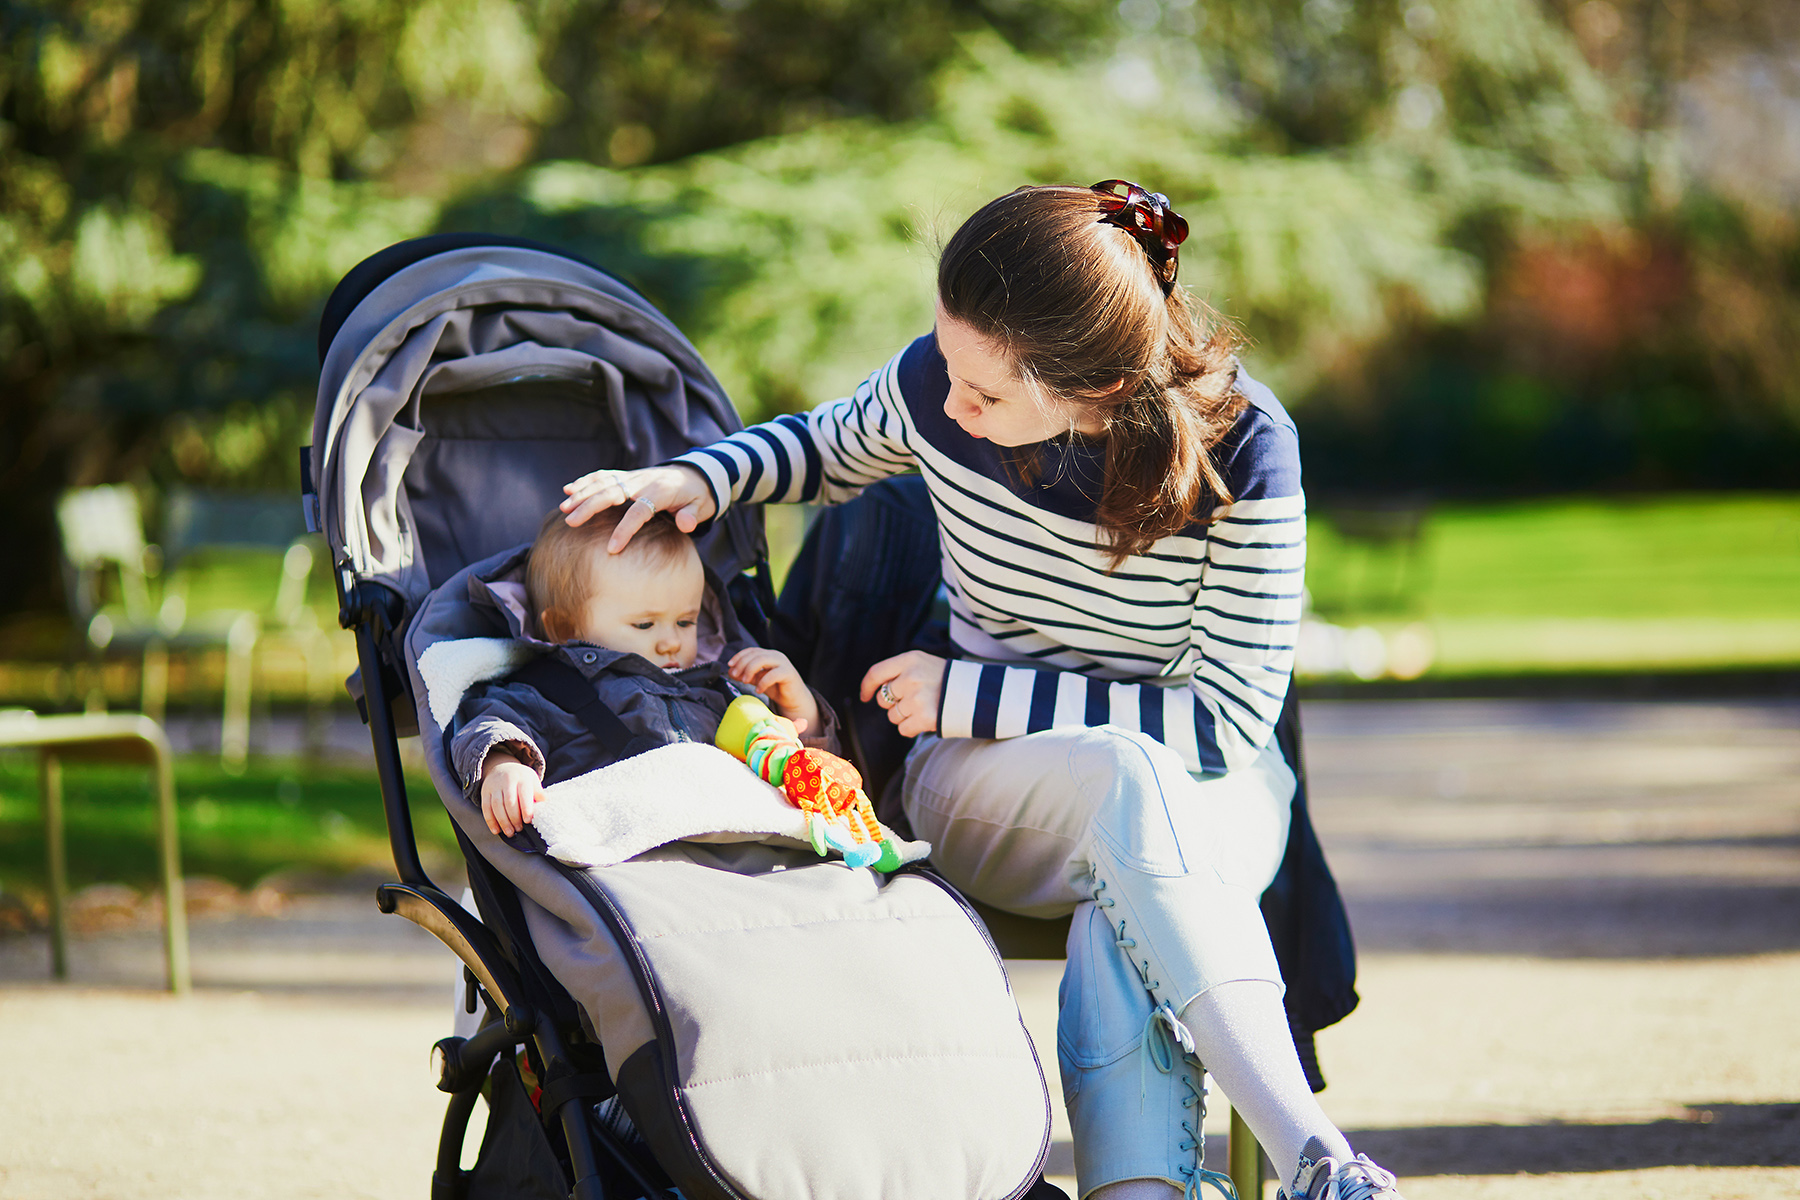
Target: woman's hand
<point>909,686</point>
<point>678,489</point>
<point>774,675</point>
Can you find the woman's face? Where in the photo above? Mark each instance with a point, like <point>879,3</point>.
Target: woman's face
<point>989,401</point>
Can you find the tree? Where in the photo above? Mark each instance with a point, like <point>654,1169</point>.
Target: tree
<point>184,180</point>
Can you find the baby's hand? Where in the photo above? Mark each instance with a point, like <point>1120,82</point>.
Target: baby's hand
<point>770,672</point>
<point>510,793</point>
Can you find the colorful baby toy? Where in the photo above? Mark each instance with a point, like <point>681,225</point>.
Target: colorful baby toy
<point>817,782</point>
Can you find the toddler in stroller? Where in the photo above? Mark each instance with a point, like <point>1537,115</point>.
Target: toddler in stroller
<point>628,624</point>
<point>704,1004</point>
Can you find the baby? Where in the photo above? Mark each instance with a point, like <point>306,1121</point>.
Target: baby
<point>630,623</point>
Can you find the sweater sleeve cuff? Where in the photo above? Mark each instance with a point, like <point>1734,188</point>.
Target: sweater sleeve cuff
<point>711,470</point>
<point>959,696</point>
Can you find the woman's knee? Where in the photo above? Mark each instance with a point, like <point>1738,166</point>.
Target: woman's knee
<point>1134,780</point>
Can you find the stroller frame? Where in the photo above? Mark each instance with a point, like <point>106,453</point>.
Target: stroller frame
<point>524,1004</point>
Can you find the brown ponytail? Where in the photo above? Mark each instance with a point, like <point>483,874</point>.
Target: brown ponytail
<point>1076,305</point>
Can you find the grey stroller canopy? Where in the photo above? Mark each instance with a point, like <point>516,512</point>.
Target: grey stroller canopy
<point>461,390</point>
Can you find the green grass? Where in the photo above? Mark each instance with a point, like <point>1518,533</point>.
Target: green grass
<point>1535,586</point>
<point>1561,584</point>
<point>1659,557</point>
<point>249,580</point>
<point>1668,581</point>
<point>275,816</point>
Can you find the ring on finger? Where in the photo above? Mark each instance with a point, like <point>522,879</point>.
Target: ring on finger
<point>888,699</point>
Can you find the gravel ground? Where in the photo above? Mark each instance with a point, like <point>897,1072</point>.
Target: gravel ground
<point>1580,936</point>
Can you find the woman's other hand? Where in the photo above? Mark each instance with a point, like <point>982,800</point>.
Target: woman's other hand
<point>909,686</point>
<point>774,675</point>
<point>677,489</point>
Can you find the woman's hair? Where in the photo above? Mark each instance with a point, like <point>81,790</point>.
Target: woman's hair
<point>559,575</point>
<point>1076,305</point>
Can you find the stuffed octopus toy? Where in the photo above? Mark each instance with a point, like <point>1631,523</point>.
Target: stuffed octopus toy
<point>817,782</point>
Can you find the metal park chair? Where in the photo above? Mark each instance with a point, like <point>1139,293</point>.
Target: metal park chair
<point>106,738</point>
<point>108,564</point>
<point>207,526</point>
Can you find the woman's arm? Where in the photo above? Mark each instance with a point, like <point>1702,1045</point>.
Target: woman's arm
<point>1245,622</point>
<point>828,455</point>
<point>1243,626</point>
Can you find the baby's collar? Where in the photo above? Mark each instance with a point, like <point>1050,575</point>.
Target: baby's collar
<point>592,660</point>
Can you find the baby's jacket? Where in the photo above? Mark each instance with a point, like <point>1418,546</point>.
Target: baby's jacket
<point>657,706</point>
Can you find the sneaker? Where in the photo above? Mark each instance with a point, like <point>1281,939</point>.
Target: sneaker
<point>1329,1179</point>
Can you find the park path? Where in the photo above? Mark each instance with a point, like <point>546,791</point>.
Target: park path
<point>1580,946</point>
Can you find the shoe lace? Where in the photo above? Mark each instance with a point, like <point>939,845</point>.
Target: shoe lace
<point>1360,1179</point>
<point>1164,1041</point>
<point>1166,1045</point>
<point>1197,1176</point>
<point>1123,941</point>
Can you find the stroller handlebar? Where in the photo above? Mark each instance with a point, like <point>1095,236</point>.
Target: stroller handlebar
<point>458,929</point>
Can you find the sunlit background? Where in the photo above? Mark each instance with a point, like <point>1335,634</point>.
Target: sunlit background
<point>1526,273</point>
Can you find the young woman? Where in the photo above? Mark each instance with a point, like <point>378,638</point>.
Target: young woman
<point>1123,539</point>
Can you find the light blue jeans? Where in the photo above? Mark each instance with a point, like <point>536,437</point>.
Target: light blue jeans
<point>1162,871</point>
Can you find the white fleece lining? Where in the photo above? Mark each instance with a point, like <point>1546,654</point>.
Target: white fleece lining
<point>686,791</point>
<point>448,669</point>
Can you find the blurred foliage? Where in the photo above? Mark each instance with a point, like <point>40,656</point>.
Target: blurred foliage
<point>1461,233</point>
<point>654,80</point>
<point>1658,350</point>
<point>180,185</point>
<point>766,252</point>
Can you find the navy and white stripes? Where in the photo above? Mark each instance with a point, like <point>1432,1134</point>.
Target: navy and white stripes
<point>1191,642</point>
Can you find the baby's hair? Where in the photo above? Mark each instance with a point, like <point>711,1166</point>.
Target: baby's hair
<point>559,576</point>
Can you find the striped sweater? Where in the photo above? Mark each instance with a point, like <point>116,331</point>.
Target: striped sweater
<point>1190,642</point>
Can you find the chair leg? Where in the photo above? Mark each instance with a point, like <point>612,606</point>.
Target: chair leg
<point>154,700</point>
<point>234,728</point>
<point>175,931</point>
<point>1244,1159</point>
<point>51,790</point>
<point>91,683</point>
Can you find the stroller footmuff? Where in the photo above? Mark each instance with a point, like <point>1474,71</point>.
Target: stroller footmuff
<point>707,1006</point>
<point>776,1024</point>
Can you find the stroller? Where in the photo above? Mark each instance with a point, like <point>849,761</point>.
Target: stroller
<point>875,1050</point>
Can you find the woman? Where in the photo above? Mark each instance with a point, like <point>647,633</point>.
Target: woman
<point>1123,539</point>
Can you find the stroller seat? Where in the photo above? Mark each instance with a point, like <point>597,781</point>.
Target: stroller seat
<point>738,1020</point>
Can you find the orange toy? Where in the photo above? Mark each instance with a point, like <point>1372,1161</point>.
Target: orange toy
<point>817,782</point>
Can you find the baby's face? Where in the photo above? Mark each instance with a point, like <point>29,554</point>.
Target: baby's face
<point>644,605</point>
